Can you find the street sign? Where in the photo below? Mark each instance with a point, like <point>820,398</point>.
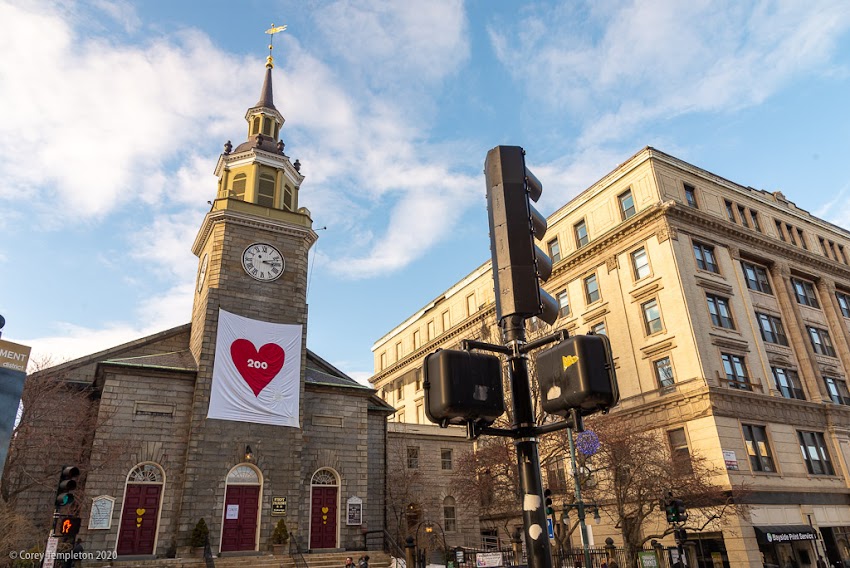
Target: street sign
<point>50,552</point>
<point>550,528</point>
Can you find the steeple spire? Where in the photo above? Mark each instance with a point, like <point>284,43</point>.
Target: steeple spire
<point>266,97</point>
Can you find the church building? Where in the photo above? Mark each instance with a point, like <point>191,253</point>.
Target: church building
<point>229,418</point>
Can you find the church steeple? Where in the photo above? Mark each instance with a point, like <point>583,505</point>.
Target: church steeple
<point>258,171</point>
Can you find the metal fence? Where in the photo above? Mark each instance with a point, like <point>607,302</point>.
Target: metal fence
<point>568,558</point>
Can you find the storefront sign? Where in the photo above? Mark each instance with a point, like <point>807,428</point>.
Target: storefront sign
<point>789,537</point>
<point>278,506</point>
<point>355,511</point>
<point>489,559</point>
<point>731,459</point>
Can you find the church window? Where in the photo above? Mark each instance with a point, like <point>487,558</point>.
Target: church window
<point>265,196</point>
<point>243,474</point>
<point>237,190</point>
<point>288,202</point>
<point>146,473</point>
<point>255,126</point>
<point>267,126</point>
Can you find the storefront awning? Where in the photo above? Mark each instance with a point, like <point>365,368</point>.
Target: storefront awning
<point>784,533</point>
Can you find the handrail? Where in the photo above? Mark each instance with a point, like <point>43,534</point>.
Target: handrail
<point>389,545</point>
<point>298,554</point>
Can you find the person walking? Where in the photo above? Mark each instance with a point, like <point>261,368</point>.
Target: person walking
<point>349,563</point>
<point>363,562</point>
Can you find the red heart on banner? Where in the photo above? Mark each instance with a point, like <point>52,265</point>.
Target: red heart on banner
<point>257,368</point>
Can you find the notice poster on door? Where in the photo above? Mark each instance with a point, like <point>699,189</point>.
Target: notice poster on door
<point>232,512</point>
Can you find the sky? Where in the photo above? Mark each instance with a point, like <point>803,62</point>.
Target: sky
<point>113,115</point>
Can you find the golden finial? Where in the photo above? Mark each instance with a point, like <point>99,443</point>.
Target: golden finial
<point>271,31</point>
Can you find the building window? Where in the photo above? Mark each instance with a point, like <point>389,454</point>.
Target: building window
<point>267,126</point>
<point>640,263</point>
<point>432,330</point>
<point>771,329</point>
<point>563,303</point>
<point>780,232</point>
<point>691,196</point>
<point>821,342</point>
<point>736,372</point>
<point>471,308</point>
<point>533,323</point>
<point>446,321</point>
<point>383,360</point>
<point>591,289</point>
<point>705,258</point>
<point>237,190</point>
<point>756,278</point>
<point>398,352</point>
<point>412,457</point>
<point>556,476</point>
<point>399,390</point>
<point>651,317</point>
<point>400,415</point>
<point>417,339</point>
<point>815,453</point>
<point>843,303</point>
<point>679,450</point>
<point>664,372</point>
<point>599,329</point>
<point>802,239</point>
<point>791,237</point>
<point>758,448</point>
<point>730,211</point>
<point>581,234</point>
<point>823,247</point>
<point>446,458</point>
<point>718,307</point>
<point>417,379</point>
<point>420,413</point>
<point>805,292</point>
<point>255,125</point>
<point>554,250</point>
<point>449,518</point>
<point>837,390</point>
<point>742,213</point>
<point>755,218</point>
<point>265,193</point>
<point>288,198</point>
<point>627,204</point>
<point>788,383</point>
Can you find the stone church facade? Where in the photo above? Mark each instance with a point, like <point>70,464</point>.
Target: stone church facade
<point>153,465</point>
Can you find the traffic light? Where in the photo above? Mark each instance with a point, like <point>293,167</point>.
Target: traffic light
<point>547,495</point>
<point>67,483</point>
<point>67,527</point>
<point>518,264</point>
<point>671,509</point>
<point>578,373</point>
<point>681,511</point>
<point>462,387</point>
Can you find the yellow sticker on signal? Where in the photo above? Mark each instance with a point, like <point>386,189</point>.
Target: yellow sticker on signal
<point>569,361</point>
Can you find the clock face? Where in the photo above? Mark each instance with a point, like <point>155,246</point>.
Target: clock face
<point>202,272</point>
<point>262,262</point>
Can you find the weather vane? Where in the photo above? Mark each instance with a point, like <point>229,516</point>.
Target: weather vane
<point>271,31</point>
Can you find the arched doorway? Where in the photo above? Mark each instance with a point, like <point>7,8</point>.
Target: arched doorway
<point>324,499</point>
<point>140,513</point>
<point>241,508</point>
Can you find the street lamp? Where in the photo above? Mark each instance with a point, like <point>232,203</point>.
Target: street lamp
<point>429,531</point>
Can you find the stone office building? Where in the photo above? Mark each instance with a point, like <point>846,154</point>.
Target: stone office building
<point>728,311</point>
<point>153,463</point>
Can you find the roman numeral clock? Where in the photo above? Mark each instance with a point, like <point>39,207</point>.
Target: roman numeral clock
<point>263,262</point>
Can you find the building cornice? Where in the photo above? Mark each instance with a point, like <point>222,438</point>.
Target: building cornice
<point>247,220</point>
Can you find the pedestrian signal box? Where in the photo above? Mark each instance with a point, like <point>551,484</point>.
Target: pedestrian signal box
<point>463,387</point>
<point>578,373</point>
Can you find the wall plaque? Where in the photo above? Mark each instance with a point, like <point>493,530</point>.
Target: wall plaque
<point>355,511</point>
<point>101,512</point>
<point>278,506</point>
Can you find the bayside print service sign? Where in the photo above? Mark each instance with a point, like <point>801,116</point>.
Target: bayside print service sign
<point>257,371</point>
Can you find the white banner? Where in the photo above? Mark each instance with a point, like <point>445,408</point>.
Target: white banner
<point>257,371</point>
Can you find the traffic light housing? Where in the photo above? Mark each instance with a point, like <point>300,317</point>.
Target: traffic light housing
<point>681,511</point>
<point>67,527</point>
<point>462,387</point>
<point>671,510</point>
<point>578,373</point>
<point>676,511</point>
<point>547,497</point>
<point>518,264</point>
<point>67,483</point>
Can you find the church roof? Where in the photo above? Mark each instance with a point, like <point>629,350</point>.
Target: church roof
<point>175,361</point>
<point>266,97</point>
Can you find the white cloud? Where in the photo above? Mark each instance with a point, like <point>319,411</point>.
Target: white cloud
<point>664,58</point>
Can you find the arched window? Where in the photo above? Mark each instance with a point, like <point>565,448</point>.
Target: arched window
<point>267,126</point>
<point>324,477</point>
<point>265,195</point>
<point>237,190</point>
<point>243,475</point>
<point>276,130</point>
<point>449,512</point>
<point>146,473</point>
<point>255,126</point>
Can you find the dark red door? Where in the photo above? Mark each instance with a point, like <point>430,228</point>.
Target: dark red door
<point>138,519</point>
<point>240,529</point>
<point>323,518</point>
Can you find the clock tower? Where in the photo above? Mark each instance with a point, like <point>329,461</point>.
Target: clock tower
<point>252,248</point>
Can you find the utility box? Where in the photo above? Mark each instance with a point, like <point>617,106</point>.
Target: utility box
<point>463,387</point>
<point>578,373</point>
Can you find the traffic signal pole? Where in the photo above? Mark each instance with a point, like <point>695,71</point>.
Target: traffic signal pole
<point>579,502</point>
<point>528,460</point>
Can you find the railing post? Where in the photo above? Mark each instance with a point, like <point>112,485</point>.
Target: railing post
<point>410,552</point>
<point>609,549</point>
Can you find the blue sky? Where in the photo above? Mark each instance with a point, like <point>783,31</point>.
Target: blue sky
<point>113,113</point>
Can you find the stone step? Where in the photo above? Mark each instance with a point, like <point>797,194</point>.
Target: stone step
<point>377,559</point>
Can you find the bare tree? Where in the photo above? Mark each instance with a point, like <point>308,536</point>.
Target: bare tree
<point>406,496</point>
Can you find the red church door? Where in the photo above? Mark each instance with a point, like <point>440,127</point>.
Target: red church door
<point>241,504</point>
<point>138,519</point>
<point>323,518</point>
